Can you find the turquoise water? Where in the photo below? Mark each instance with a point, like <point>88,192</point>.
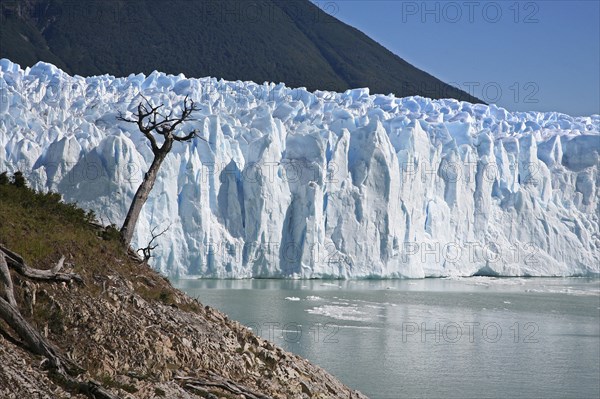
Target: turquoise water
<point>433,338</point>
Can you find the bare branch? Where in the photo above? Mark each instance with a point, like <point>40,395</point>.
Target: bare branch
<point>187,111</point>
<point>147,251</point>
<point>187,137</point>
<point>54,274</point>
<point>166,125</point>
<point>145,130</point>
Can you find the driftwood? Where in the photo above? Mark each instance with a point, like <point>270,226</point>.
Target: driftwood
<point>7,281</point>
<point>18,264</point>
<point>60,367</point>
<point>198,384</point>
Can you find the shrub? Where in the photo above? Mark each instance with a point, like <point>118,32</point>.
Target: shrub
<point>111,233</point>
<point>19,180</point>
<point>90,216</point>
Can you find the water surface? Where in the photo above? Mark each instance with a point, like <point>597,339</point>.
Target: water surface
<point>452,338</point>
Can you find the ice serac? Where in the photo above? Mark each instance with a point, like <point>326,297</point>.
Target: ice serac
<point>289,183</point>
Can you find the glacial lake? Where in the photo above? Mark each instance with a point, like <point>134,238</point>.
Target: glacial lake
<point>434,338</point>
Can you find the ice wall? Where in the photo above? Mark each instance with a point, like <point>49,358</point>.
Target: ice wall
<point>296,184</point>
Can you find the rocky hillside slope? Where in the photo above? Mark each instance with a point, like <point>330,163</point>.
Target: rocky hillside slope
<point>125,326</point>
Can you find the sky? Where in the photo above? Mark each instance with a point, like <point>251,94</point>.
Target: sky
<point>521,55</point>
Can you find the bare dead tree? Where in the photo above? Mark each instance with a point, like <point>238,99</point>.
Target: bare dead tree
<point>154,125</point>
<point>147,251</point>
<point>32,339</point>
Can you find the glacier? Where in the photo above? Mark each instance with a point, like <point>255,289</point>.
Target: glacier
<point>291,183</point>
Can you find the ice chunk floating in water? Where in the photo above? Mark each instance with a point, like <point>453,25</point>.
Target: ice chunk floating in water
<point>296,184</point>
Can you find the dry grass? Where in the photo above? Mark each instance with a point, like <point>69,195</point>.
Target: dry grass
<point>41,229</point>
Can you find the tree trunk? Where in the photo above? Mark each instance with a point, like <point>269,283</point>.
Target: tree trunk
<point>141,196</point>
<point>34,341</point>
<point>7,280</point>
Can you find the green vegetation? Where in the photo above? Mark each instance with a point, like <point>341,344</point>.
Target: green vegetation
<point>42,228</point>
<point>19,180</point>
<point>18,200</point>
<point>291,41</point>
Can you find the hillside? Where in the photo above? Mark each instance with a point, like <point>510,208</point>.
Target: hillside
<point>124,327</point>
<point>262,40</point>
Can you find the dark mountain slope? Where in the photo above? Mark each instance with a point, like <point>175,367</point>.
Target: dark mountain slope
<point>291,41</point>
<point>357,58</point>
